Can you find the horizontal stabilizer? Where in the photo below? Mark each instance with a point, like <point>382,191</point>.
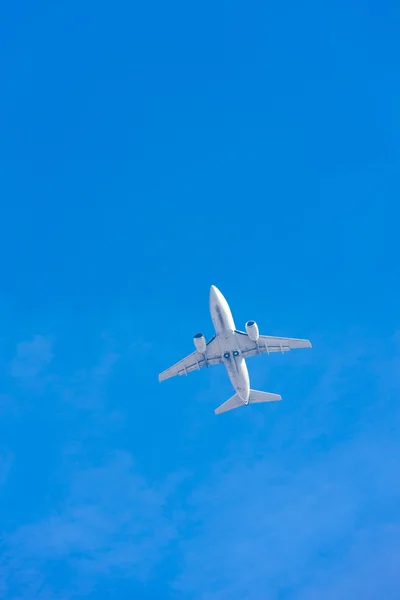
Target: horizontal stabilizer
<point>233,402</point>
<point>255,396</point>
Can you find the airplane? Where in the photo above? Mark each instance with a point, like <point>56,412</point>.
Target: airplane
<point>231,347</point>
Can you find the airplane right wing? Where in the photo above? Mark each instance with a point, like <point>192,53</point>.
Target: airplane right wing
<point>267,344</point>
<point>195,361</point>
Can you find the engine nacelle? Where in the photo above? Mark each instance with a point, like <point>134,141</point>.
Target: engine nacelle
<point>252,330</point>
<point>200,343</point>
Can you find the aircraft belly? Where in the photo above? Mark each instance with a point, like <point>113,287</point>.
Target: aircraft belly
<point>220,312</point>
<point>242,380</point>
<point>235,366</point>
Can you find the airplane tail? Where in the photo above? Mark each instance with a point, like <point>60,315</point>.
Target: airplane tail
<point>255,397</point>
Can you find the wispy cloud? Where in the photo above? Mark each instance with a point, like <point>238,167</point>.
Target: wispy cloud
<point>369,568</point>
<point>31,359</point>
<point>299,504</point>
<point>6,460</point>
<point>86,386</point>
<point>264,530</point>
<point>111,520</point>
<point>293,520</point>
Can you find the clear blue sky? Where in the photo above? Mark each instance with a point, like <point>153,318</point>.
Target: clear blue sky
<point>149,151</point>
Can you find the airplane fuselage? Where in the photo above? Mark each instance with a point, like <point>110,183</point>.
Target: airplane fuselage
<point>225,332</point>
<point>231,347</point>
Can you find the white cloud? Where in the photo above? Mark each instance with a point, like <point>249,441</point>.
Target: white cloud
<point>111,520</point>
<point>288,509</point>
<point>86,387</point>
<point>6,460</point>
<point>264,529</point>
<point>292,520</point>
<point>32,358</point>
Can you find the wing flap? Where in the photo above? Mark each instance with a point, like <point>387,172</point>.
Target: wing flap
<point>267,344</point>
<point>186,365</point>
<point>194,361</point>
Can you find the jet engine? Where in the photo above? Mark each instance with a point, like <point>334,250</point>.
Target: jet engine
<point>200,342</point>
<point>252,330</point>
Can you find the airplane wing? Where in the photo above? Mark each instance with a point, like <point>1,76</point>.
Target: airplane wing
<point>267,344</point>
<point>195,361</point>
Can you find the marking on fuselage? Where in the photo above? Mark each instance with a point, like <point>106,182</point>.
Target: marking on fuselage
<point>220,317</point>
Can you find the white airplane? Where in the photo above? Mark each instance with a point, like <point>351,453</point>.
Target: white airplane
<point>232,347</point>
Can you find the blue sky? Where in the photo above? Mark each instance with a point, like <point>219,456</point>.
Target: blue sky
<point>147,152</point>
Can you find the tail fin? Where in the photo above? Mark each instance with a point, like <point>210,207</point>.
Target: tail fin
<point>255,397</point>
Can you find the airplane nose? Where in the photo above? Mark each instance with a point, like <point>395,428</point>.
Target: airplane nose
<point>213,292</point>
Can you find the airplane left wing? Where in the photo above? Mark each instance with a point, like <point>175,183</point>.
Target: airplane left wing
<point>195,361</point>
<point>267,344</point>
